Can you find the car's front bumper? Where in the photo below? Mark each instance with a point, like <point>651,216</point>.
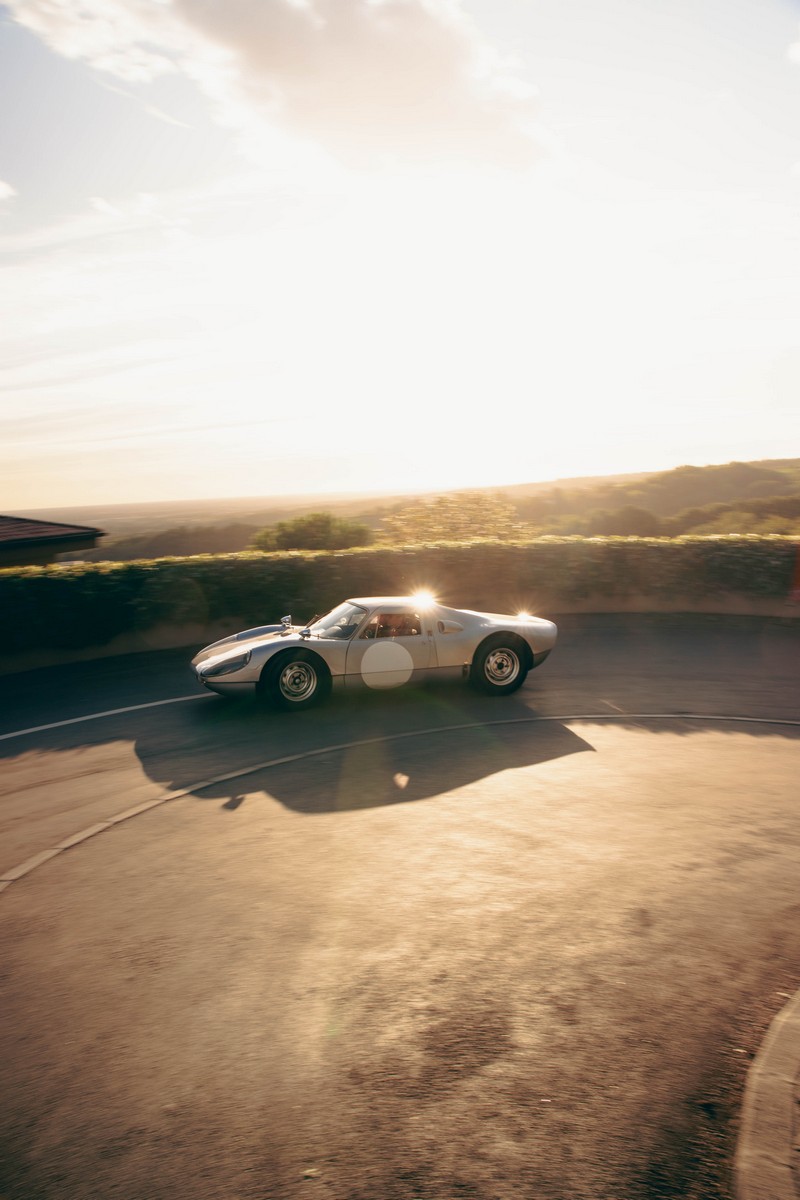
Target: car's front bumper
<point>227,687</point>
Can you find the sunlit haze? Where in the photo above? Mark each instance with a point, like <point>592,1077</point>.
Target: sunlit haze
<point>330,246</point>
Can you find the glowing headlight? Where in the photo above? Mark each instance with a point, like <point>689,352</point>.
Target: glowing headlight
<point>227,667</point>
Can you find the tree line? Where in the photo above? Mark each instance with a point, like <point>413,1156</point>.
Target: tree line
<point>736,498</point>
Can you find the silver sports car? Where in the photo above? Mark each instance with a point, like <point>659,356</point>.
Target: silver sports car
<point>376,642</point>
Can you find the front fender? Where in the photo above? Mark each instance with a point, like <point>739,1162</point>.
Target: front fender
<point>271,662</point>
<point>332,654</point>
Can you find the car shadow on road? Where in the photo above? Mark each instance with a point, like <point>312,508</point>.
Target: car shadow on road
<point>365,752</point>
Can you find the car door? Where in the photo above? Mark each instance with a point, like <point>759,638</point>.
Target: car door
<point>392,649</point>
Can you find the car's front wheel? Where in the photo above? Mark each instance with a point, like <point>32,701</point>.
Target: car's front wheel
<point>296,680</point>
<point>500,665</point>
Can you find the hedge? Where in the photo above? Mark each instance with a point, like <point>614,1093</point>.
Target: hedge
<point>71,606</point>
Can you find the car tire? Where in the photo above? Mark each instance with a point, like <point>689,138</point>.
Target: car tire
<point>295,680</point>
<point>500,665</point>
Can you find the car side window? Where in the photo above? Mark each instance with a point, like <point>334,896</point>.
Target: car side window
<point>402,624</point>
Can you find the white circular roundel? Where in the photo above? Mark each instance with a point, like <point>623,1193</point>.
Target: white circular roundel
<point>386,665</point>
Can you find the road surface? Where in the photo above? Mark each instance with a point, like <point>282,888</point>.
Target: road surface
<point>413,945</point>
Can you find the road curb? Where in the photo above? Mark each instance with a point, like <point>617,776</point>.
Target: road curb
<point>767,1161</point>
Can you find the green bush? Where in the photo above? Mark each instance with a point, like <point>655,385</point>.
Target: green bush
<point>77,605</point>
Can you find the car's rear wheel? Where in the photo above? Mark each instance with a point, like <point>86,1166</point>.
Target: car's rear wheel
<point>500,665</point>
<point>296,680</point>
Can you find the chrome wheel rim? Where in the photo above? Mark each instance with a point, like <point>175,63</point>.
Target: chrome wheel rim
<point>501,666</point>
<point>298,681</point>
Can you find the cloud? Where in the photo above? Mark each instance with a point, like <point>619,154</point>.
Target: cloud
<point>369,80</point>
<point>99,205</point>
<point>6,191</point>
<point>793,52</point>
<point>134,41</point>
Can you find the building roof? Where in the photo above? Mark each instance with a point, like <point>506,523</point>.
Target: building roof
<point>18,531</point>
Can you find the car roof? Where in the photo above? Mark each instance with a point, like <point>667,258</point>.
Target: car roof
<point>386,601</point>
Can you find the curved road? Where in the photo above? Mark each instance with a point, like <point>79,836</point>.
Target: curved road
<point>410,945</point>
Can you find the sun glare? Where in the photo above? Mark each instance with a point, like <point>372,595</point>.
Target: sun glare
<point>423,598</point>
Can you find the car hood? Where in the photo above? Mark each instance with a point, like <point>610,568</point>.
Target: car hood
<point>237,643</point>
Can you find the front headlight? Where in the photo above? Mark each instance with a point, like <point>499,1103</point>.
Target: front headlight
<point>227,666</point>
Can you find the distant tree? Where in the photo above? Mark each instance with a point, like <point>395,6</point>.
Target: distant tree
<point>784,506</point>
<point>759,514</point>
<point>736,521</point>
<point>628,521</point>
<point>457,517</point>
<point>265,540</point>
<point>563,509</point>
<point>315,531</point>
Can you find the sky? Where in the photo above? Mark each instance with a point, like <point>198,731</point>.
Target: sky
<point>282,247</point>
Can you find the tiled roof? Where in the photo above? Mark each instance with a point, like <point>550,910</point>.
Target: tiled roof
<point>21,529</point>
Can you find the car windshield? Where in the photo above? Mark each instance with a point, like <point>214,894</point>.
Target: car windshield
<point>340,622</point>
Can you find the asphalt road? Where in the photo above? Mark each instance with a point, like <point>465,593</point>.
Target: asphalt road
<point>414,946</point>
